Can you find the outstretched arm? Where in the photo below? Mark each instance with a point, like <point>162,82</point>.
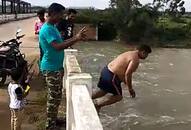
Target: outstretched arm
<point>128,76</point>
<point>67,43</point>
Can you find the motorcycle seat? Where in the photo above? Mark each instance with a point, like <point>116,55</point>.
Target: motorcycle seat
<point>4,49</point>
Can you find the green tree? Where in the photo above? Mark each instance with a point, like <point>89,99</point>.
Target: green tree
<point>100,18</point>
<point>174,8</point>
<point>133,20</point>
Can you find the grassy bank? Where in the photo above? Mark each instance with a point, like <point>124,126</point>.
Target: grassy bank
<point>184,43</point>
<point>36,108</point>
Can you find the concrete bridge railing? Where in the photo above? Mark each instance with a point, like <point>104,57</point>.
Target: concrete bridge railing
<point>11,17</point>
<point>80,111</point>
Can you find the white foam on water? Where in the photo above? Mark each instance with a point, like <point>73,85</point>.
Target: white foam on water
<point>171,64</point>
<point>151,68</point>
<point>150,63</point>
<point>169,90</point>
<point>101,55</point>
<point>148,76</point>
<point>154,77</point>
<point>189,116</point>
<point>136,122</point>
<point>177,92</point>
<point>177,123</point>
<point>174,110</point>
<point>107,120</point>
<point>155,94</point>
<point>183,93</point>
<point>140,64</point>
<point>132,115</point>
<point>136,83</point>
<point>130,118</point>
<point>156,85</point>
<point>163,119</point>
<point>95,59</point>
<point>148,82</point>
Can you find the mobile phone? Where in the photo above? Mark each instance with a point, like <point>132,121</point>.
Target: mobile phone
<point>27,88</point>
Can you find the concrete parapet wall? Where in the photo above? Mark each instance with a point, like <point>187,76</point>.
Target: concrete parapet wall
<point>4,18</point>
<point>81,113</point>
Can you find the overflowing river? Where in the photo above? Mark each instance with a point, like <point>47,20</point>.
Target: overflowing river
<point>162,84</point>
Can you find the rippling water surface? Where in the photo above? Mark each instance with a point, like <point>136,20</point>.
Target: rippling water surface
<point>162,84</point>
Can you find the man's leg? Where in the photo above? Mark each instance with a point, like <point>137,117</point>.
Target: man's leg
<point>98,93</point>
<point>107,100</point>
<point>54,89</point>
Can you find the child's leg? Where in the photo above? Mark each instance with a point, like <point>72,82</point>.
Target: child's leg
<point>12,119</point>
<point>18,119</point>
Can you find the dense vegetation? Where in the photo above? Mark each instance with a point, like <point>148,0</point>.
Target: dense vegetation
<point>129,20</point>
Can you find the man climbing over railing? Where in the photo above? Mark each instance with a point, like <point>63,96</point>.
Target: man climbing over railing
<point>117,71</point>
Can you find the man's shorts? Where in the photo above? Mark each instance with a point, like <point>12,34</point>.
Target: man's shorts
<point>110,82</point>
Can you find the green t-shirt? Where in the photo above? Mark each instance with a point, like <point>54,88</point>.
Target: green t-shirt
<point>52,59</point>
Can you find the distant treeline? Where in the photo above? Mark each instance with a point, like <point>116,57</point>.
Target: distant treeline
<point>129,20</point>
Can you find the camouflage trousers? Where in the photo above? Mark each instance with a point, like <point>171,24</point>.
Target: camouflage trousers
<point>54,96</point>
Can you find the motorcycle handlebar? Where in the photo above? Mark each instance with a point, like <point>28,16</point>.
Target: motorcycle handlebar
<point>19,37</point>
<point>13,41</point>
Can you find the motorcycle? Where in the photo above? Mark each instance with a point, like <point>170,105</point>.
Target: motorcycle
<point>11,57</point>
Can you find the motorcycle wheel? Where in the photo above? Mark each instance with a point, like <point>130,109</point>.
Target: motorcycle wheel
<point>2,79</point>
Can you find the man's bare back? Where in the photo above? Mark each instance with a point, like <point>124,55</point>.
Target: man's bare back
<point>119,70</point>
<point>119,65</point>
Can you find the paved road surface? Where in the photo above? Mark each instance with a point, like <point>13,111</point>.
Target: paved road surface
<point>29,47</point>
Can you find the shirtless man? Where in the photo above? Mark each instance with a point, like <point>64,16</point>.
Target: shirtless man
<point>117,71</point>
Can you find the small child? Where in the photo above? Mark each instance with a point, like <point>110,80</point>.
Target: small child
<point>17,95</point>
<point>41,20</point>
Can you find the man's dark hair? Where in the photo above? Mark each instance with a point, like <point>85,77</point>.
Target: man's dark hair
<point>41,12</point>
<point>144,47</point>
<point>55,8</point>
<point>16,74</point>
<point>71,11</point>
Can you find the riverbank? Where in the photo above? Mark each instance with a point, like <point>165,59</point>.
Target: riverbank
<point>182,44</point>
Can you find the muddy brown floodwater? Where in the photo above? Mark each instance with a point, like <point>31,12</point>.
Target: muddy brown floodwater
<point>162,84</point>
